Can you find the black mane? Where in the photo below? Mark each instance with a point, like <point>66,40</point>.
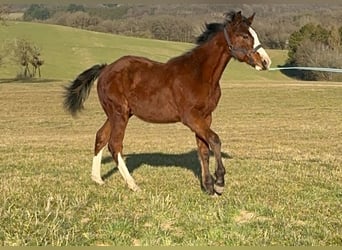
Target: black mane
<point>212,28</point>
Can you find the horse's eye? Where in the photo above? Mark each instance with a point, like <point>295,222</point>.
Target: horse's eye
<point>245,36</point>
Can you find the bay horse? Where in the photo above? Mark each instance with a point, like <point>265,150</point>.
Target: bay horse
<point>185,89</point>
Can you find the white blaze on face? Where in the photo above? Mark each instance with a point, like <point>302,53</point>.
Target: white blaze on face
<point>261,50</point>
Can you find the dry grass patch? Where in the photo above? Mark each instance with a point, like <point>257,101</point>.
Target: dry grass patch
<point>282,153</point>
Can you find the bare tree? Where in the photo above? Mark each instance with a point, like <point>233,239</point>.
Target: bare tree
<point>3,14</point>
<point>26,53</point>
<point>317,54</point>
<point>1,58</point>
<point>36,62</point>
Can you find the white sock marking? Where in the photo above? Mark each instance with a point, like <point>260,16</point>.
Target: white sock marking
<point>126,175</point>
<point>261,50</point>
<point>96,168</point>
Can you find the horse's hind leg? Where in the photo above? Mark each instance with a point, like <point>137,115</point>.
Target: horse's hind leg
<point>115,145</point>
<point>102,138</point>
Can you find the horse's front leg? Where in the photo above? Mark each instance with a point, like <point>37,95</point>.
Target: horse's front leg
<point>203,155</point>
<point>207,137</point>
<point>220,171</point>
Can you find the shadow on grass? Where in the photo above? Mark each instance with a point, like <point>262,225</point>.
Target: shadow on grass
<point>27,80</point>
<point>187,160</point>
<point>294,73</point>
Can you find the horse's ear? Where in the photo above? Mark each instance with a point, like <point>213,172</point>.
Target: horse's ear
<point>237,18</point>
<point>250,19</point>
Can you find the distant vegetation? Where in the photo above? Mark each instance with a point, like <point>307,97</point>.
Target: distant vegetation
<point>278,25</point>
<point>314,45</point>
<point>37,12</point>
<point>27,55</point>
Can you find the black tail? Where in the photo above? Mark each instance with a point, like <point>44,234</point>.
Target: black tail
<point>78,91</point>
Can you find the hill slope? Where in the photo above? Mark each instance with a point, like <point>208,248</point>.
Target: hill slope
<point>68,51</point>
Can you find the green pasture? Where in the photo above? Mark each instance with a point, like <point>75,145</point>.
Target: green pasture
<point>68,51</point>
<point>281,142</point>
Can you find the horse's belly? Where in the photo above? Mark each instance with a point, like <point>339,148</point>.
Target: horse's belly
<point>156,116</point>
<point>155,109</point>
<point>154,119</point>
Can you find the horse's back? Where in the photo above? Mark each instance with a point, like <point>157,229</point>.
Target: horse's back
<point>134,62</point>
<point>141,85</point>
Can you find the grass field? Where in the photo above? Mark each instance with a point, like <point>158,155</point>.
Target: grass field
<point>67,51</point>
<point>281,142</point>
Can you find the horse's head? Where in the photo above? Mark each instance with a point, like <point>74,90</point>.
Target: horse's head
<point>243,41</point>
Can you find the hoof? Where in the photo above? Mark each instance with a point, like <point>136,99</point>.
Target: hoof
<point>208,185</point>
<point>209,189</point>
<point>218,189</point>
<point>215,195</point>
<point>134,187</point>
<point>97,179</point>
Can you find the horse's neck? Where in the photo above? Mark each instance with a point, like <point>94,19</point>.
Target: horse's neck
<point>213,58</point>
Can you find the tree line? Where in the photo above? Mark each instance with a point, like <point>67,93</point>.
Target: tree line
<point>163,27</point>
<point>307,31</point>
<point>179,22</point>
